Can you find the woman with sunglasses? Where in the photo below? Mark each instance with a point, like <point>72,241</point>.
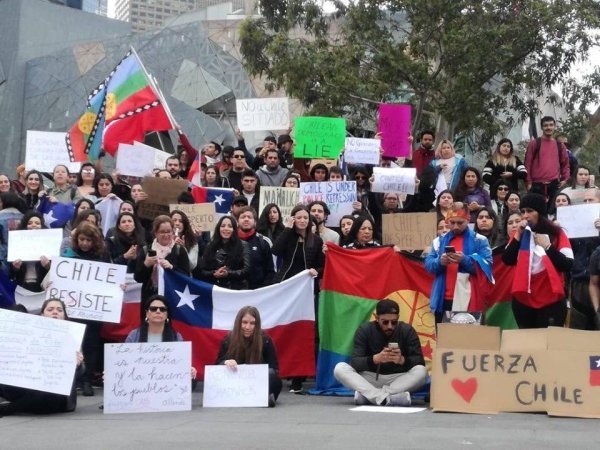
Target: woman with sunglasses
<point>85,180</point>
<point>498,197</point>
<point>505,166</point>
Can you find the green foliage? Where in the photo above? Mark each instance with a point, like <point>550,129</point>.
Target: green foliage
<point>464,61</point>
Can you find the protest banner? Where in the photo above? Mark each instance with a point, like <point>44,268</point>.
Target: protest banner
<point>247,386</point>
<point>38,352</point>
<point>91,290</point>
<point>338,195</point>
<point>394,126</point>
<point>260,114</point>
<point>46,149</point>
<point>553,370</point>
<point>202,215</point>
<point>147,377</point>
<point>135,160</point>
<point>578,220</point>
<point>319,137</point>
<point>286,198</point>
<point>409,231</point>
<point>394,179</point>
<point>160,157</point>
<point>161,193</point>
<point>362,151</point>
<point>30,245</point>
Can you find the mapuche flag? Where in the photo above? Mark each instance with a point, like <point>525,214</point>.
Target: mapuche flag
<point>353,282</point>
<point>121,109</point>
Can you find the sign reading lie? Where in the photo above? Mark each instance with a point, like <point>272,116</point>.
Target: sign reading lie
<point>91,290</point>
<point>319,137</point>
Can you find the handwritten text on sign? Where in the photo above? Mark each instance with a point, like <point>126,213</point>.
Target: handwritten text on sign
<point>284,197</point>
<point>30,245</point>
<point>245,387</point>
<point>319,137</point>
<point>362,151</point>
<point>38,352</point>
<point>201,215</point>
<point>147,377</point>
<point>578,220</point>
<point>338,195</point>
<point>396,179</point>
<point>259,114</point>
<point>46,149</point>
<point>409,231</point>
<point>91,290</point>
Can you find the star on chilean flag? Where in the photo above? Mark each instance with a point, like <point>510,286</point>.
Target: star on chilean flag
<point>594,370</point>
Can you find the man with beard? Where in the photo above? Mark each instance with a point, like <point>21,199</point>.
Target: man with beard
<point>271,174</point>
<point>387,362</point>
<point>173,167</point>
<point>319,211</point>
<point>261,258</point>
<point>423,155</point>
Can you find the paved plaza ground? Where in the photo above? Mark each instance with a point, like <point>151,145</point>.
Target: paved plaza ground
<point>298,422</point>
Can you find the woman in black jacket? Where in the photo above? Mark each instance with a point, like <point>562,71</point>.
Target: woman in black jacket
<point>123,245</point>
<point>29,274</point>
<point>226,260</point>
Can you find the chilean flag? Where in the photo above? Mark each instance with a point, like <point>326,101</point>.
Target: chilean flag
<point>194,175</point>
<point>56,215</point>
<point>594,370</point>
<point>221,197</point>
<point>204,314</point>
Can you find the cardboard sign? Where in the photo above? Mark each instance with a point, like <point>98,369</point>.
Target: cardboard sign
<point>30,245</point>
<point>147,377</point>
<point>248,386</point>
<point>38,352</point>
<point>578,220</point>
<point>338,195</point>
<point>397,179</point>
<point>362,151</point>
<point>259,114</point>
<point>161,193</point>
<point>135,160</point>
<point>409,231</point>
<point>286,198</point>
<point>202,215</point>
<point>91,290</point>
<point>329,163</point>
<point>46,149</point>
<point>551,370</point>
<point>319,137</point>
<point>394,126</point>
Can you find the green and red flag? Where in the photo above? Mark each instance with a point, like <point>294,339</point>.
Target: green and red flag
<point>499,299</point>
<point>353,282</point>
<point>124,107</point>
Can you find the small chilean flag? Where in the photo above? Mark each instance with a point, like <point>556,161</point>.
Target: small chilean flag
<point>221,197</point>
<point>594,370</point>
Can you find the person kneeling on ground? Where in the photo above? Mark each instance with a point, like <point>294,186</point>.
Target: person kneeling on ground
<point>387,361</point>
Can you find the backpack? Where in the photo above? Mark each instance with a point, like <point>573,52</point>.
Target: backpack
<point>538,146</point>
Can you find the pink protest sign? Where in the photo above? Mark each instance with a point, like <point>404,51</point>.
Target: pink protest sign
<point>394,126</point>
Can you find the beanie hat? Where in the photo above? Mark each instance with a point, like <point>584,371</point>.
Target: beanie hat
<point>534,201</point>
<point>387,306</point>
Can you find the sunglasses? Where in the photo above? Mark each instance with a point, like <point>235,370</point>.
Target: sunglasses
<point>162,309</point>
<point>238,156</point>
<point>389,322</point>
<point>502,188</point>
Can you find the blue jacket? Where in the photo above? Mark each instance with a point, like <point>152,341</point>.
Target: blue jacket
<point>460,164</point>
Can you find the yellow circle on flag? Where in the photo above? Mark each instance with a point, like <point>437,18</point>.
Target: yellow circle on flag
<point>86,122</point>
<point>111,105</point>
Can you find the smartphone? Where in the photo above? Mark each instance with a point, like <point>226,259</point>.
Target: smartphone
<point>393,345</point>
<point>450,249</point>
<point>151,253</point>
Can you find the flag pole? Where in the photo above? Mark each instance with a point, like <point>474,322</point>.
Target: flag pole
<point>154,85</point>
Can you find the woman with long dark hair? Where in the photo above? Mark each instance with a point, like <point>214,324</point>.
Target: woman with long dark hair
<point>346,223</point>
<point>248,344</point>
<point>487,224</point>
<point>540,301</point>
<point>123,244</point>
<point>361,234</point>
<point>85,179</point>
<point>580,181</point>
<point>30,274</point>
<point>186,237</point>
<point>226,260</point>
<point>270,222</point>
<point>470,191</point>
<point>443,204</point>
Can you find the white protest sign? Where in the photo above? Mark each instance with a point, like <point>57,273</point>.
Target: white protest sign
<point>362,151</point>
<point>38,352</point>
<point>338,195</point>
<point>147,377</point>
<point>46,149</point>
<point>248,386</point>
<point>29,245</point>
<point>91,290</point>
<point>160,157</point>
<point>578,220</point>
<point>285,197</point>
<point>398,179</point>
<point>259,114</point>
<point>135,160</point>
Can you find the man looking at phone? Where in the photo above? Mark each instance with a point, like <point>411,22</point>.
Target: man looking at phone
<point>387,362</point>
<point>454,259</point>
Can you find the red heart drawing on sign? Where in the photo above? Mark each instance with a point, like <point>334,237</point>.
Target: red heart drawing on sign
<point>466,389</point>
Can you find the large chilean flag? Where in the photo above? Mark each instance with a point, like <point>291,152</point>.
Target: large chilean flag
<point>204,314</point>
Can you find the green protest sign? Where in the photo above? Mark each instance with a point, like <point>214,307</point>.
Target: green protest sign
<point>319,137</point>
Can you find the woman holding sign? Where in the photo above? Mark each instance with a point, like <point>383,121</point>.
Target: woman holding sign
<point>248,344</point>
<point>29,274</point>
<point>23,400</point>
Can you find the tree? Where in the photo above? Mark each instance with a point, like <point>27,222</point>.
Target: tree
<point>466,62</point>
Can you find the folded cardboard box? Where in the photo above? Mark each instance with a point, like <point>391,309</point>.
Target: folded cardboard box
<point>479,369</point>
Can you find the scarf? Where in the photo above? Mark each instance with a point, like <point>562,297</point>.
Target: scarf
<point>162,251</point>
<point>245,235</point>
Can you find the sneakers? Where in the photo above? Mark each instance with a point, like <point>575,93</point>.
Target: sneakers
<point>361,400</point>
<point>400,399</point>
<point>87,389</point>
<point>271,401</point>
<point>296,386</point>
